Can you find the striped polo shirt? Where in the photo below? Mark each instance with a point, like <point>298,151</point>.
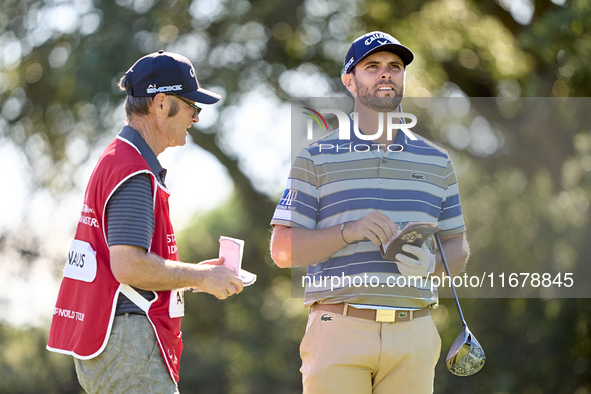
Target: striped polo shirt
<point>336,181</point>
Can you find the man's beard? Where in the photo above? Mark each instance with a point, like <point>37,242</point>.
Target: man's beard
<point>379,104</point>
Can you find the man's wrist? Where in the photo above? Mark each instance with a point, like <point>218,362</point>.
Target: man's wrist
<point>343,234</point>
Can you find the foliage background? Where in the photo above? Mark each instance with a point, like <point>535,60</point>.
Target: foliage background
<point>525,185</point>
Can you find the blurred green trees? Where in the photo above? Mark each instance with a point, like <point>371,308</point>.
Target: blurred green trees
<point>525,176</point>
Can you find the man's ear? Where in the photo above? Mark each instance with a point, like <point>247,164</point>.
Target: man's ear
<point>349,83</point>
<point>160,105</point>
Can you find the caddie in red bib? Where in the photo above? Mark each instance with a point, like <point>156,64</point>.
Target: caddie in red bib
<point>122,273</point>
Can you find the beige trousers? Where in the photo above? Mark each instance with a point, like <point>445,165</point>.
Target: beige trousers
<point>348,355</point>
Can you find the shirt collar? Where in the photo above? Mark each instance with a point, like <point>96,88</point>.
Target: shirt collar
<point>136,139</point>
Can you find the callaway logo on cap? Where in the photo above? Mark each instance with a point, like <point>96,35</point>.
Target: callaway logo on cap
<point>375,42</point>
<point>163,72</point>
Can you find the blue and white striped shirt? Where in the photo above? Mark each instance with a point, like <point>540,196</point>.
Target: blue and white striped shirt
<point>329,186</point>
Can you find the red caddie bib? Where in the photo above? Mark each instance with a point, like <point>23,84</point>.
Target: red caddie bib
<point>85,307</point>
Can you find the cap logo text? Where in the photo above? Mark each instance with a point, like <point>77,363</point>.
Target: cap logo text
<point>349,62</point>
<point>376,36</point>
<point>162,89</point>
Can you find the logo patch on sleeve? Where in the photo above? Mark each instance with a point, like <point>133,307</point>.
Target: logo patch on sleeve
<point>287,199</point>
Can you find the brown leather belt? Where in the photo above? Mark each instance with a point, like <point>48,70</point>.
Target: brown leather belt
<point>378,315</point>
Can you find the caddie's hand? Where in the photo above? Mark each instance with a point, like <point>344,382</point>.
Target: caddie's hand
<point>423,264</point>
<point>375,226</point>
<point>218,280</point>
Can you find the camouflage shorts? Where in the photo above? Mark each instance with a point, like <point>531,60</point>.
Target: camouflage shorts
<point>131,362</point>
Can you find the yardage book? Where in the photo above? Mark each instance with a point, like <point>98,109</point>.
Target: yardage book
<point>232,249</point>
<point>414,233</point>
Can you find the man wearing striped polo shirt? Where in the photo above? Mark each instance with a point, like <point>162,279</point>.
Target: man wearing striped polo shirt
<point>365,335</point>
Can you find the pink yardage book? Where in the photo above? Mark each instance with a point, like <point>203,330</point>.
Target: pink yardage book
<point>232,249</point>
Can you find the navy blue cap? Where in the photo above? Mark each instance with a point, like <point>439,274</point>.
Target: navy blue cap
<point>373,42</point>
<point>167,72</point>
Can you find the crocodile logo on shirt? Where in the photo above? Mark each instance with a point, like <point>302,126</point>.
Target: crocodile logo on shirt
<point>325,317</point>
<point>416,175</point>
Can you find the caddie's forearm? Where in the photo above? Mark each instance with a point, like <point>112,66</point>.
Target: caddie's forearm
<point>148,271</point>
<point>295,247</point>
<point>456,251</point>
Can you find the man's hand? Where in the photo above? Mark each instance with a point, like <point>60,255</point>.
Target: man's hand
<point>421,266</point>
<point>311,246</point>
<point>218,280</point>
<point>375,226</point>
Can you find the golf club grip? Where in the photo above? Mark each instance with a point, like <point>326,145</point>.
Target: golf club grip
<point>453,289</point>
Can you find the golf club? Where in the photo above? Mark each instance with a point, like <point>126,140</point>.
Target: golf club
<point>465,357</point>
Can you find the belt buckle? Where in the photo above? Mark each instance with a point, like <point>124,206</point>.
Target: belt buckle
<point>385,315</point>
<point>392,315</point>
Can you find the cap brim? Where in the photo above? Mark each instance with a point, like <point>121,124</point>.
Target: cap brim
<point>403,52</point>
<point>202,96</point>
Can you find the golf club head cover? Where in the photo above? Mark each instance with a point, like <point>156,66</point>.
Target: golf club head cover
<point>422,264</point>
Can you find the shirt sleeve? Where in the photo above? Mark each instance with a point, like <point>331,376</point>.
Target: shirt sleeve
<point>130,213</point>
<point>451,218</point>
<point>298,206</point>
